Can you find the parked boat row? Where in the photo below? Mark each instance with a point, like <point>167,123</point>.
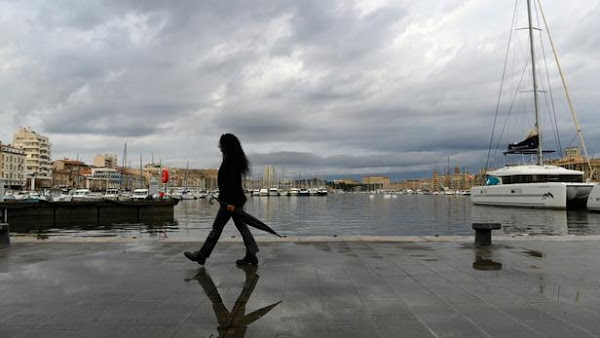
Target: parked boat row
<point>82,195</point>
<point>322,191</point>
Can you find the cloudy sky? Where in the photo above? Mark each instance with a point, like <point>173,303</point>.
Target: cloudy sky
<point>319,88</point>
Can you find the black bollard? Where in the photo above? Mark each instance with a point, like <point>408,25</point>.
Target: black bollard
<point>4,235</point>
<point>483,233</point>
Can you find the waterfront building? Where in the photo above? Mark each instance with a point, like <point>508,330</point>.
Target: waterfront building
<point>105,161</point>
<point>70,173</point>
<point>199,179</point>
<point>376,182</point>
<point>37,148</point>
<point>313,182</point>
<point>153,170</point>
<point>572,159</point>
<point>202,179</point>
<point>103,178</point>
<point>346,181</point>
<point>12,166</point>
<point>270,180</point>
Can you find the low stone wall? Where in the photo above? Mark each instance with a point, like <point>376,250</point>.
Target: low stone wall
<point>28,217</point>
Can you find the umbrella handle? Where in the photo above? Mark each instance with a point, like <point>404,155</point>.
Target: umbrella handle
<point>212,198</point>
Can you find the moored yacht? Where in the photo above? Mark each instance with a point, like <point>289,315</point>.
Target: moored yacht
<point>140,194</point>
<point>536,186</point>
<point>182,194</point>
<point>593,201</point>
<point>111,194</point>
<point>86,195</point>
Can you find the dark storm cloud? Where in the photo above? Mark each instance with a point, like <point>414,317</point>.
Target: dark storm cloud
<point>310,160</point>
<point>317,85</point>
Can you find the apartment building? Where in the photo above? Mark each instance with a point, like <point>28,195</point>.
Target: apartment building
<point>70,173</point>
<point>103,178</point>
<point>377,181</point>
<point>105,161</point>
<point>12,166</point>
<point>270,178</point>
<point>38,151</point>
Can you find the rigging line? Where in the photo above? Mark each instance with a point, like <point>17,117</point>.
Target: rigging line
<point>552,109</point>
<point>562,77</point>
<point>501,87</point>
<point>510,108</point>
<point>572,140</point>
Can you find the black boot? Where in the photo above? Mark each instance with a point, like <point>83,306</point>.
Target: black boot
<point>195,256</point>
<point>249,259</point>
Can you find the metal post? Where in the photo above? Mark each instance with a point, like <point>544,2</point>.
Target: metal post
<point>535,86</point>
<point>4,235</point>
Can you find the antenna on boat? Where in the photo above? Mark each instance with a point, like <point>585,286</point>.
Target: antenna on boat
<point>535,86</point>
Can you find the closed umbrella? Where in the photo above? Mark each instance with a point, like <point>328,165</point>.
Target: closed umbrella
<point>247,219</point>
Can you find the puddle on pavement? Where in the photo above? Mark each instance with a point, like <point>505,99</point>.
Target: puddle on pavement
<point>418,255</point>
<point>234,322</point>
<point>486,264</point>
<point>485,259</point>
<point>533,253</point>
<point>414,247</point>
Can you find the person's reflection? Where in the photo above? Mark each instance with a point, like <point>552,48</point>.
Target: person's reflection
<point>234,323</point>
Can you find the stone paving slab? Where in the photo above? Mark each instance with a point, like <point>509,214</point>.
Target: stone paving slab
<point>345,287</point>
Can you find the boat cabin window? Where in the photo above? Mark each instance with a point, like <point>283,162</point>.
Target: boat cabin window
<point>541,178</point>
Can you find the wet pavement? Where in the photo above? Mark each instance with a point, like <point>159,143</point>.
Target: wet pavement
<point>353,287</point>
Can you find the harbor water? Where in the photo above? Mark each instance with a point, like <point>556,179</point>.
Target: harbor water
<point>345,215</point>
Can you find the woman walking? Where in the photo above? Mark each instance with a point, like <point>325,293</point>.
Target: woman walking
<point>234,166</point>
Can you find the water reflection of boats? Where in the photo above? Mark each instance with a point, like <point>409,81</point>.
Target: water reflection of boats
<point>520,221</point>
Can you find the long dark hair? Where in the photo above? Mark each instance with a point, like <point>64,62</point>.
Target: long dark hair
<point>233,154</point>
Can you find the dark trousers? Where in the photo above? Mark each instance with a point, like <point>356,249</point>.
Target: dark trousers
<point>223,216</point>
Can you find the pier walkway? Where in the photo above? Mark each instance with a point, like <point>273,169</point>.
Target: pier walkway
<point>303,287</point>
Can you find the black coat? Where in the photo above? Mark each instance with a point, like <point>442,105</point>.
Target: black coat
<point>230,184</point>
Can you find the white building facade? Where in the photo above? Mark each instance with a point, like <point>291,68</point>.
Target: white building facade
<point>12,166</point>
<point>38,150</point>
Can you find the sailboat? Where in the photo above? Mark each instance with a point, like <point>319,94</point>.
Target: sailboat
<point>534,185</point>
<point>183,193</point>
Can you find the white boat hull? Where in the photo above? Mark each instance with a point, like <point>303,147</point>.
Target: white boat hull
<point>593,201</point>
<point>551,195</point>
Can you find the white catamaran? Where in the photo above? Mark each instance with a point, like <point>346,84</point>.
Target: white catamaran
<point>535,185</point>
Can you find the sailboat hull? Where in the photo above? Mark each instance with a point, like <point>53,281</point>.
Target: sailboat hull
<point>548,195</point>
<point>593,201</point>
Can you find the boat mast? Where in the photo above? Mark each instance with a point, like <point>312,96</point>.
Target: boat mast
<point>141,174</point>
<point>123,166</point>
<point>535,87</point>
<point>569,101</point>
